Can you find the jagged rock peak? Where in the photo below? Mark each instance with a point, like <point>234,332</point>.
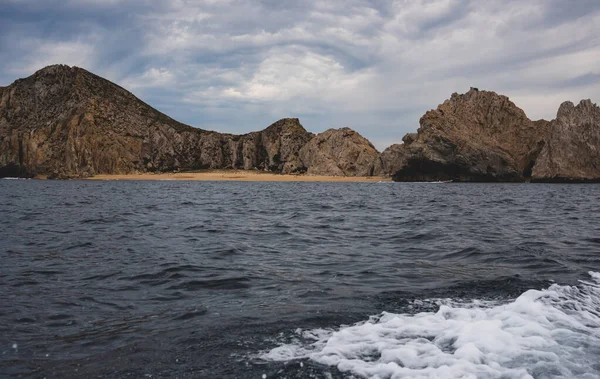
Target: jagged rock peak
<point>409,138</point>
<point>286,123</point>
<point>59,74</point>
<point>54,68</point>
<point>483,136</point>
<point>585,108</point>
<point>484,109</point>
<point>571,151</point>
<point>480,98</point>
<point>341,152</point>
<point>475,136</point>
<point>51,71</point>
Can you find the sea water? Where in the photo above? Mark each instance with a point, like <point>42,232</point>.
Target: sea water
<point>293,280</point>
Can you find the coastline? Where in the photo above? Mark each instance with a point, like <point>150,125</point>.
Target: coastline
<point>242,176</point>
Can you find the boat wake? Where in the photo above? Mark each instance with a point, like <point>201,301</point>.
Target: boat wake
<point>551,333</point>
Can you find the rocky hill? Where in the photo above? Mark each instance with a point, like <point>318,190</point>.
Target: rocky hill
<point>483,136</point>
<point>341,152</point>
<point>67,122</point>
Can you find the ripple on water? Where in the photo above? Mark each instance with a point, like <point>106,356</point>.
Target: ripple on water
<point>213,284</point>
<point>122,272</point>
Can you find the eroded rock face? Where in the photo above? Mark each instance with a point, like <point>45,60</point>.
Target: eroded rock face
<point>477,136</point>
<point>391,160</point>
<point>482,136</point>
<point>571,151</point>
<point>67,122</point>
<point>340,152</point>
<point>282,142</point>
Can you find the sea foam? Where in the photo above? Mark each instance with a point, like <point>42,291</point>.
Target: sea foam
<point>552,333</point>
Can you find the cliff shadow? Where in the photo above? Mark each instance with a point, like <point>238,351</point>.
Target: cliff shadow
<point>13,170</point>
<point>425,170</point>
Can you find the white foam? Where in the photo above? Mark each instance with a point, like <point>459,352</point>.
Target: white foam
<point>552,333</point>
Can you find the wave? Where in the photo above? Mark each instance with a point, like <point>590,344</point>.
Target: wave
<point>550,333</point>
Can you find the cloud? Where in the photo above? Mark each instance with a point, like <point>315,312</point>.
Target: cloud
<point>151,78</point>
<point>285,75</point>
<point>44,54</point>
<point>376,66</point>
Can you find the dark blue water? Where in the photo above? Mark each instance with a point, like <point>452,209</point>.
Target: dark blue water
<point>208,279</point>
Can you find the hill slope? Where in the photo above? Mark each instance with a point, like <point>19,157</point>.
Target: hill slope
<point>67,122</point>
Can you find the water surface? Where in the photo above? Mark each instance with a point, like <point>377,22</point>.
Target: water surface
<point>243,279</point>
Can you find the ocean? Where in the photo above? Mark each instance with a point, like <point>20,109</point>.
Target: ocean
<point>189,279</point>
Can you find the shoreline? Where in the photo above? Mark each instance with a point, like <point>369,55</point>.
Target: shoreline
<point>262,176</point>
<point>241,176</point>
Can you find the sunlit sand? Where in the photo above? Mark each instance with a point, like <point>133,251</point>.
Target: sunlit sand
<point>240,175</point>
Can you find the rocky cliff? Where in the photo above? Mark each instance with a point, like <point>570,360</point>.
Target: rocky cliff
<point>483,136</point>
<point>571,150</point>
<point>67,122</point>
<point>341,152</point>
<point>478,136</point>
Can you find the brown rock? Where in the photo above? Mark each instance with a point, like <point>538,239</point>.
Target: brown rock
<point>478,136</point>
<point>341,152</point>
<point>277,147</point>
<point>67,122</point>
<point>571,152</point>
<point>391,160</point>
<point>482,136</point>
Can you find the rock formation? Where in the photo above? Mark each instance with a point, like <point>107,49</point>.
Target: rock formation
<point>392,159</point>
<point>67,122</point>
<point>478,136</point>
<point>571,150</point>
<point>483,136</point>
<point>341,152</point>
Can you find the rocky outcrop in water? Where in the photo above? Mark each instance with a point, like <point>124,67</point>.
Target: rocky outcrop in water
<point>483,136</point>
<point>340,152</point>
<point>571,150</point>
<point>67,122</point>
<point>478,136</point>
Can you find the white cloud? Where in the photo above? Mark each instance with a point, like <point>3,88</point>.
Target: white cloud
<point>374,66</point>
<point>41,53</point>
<point>153,77</point>
<point>285,75</point>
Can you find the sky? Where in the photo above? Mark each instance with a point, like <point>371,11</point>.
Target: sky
<point>375,66</point>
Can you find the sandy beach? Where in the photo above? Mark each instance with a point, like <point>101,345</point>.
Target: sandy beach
<point>240,175</point>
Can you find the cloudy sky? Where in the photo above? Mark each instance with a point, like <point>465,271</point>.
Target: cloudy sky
<point>375,66</point>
